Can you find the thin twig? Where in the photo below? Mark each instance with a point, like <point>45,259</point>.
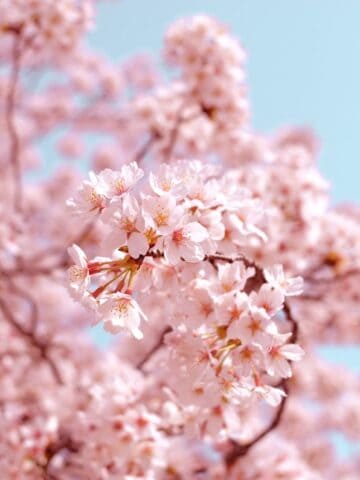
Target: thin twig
<point>34,311</point>
<point>29,269</point>
<point>31,338</point>
<point>14,143</point>
<point>159,343</point>
<point>239,450</point>
<point>144,150</point>
<point>174,133</point>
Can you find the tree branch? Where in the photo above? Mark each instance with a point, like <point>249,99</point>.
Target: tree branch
<point>239,450</point>
<point>14,143</point>
<point>30,337</point>
<point>153,349</point>
<point>144,150</point>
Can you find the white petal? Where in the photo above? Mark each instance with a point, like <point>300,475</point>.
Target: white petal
<point>292,352</point>
<point>196,232</point>
<point>171,252</point>
<point>137,244</point>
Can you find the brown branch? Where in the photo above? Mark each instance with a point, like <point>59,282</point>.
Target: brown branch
<point>145,149</point>
<point>30,337</point>
<point>29,270</point>
<point>239,450</point>
<point>335,278</point>
<point>293,323</point>
<point>65,442</point>
<point>217,257</point>
<point>34,311</point>
<point>173,136</point>
<point>14,147</point>
<point>153,349</point>
<point>174,133</point>
<point>253,282</point>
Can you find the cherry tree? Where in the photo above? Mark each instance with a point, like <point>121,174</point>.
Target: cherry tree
<point>210,252</point>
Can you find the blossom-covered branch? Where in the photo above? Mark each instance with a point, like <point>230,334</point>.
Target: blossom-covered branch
<point>188,243</point>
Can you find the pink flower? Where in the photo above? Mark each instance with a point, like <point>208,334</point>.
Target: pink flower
<point>165,181</point>
<point>251,327</point>
<point>117,183</point>
<point>278,355</point>
<point>271,395</point>
<point>248,357</point>
<point>198,306</point>
<point>78,274</point>
<point>230,310</point>
<point>90,198</point>
<point>128,228</point>
<point>121,312</point>
<point>184,243</point>
<point>211,220</point>
<point>162,213</point>
<point>276,277</point>
<point>233,277</point>
<point>243,217</point>
<point>268,298</point>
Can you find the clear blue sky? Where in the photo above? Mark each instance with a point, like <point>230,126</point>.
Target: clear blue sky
<point>303,66</point>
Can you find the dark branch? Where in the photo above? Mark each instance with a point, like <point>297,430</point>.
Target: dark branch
<point>31,338</point>
<point>239,450</point>
<point>14,143</point>
<point>145,149</point>
<point>153,349</point>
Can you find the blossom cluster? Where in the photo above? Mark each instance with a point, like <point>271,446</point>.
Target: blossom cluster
<point>169,234</point>
<point>208,104</point>
<point>45,24</point>
<point>211,63</point>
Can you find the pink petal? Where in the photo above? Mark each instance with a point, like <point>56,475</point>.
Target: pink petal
<point>137,244</point>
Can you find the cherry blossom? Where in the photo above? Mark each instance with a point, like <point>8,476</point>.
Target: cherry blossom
<point>90,199</point>
<point>116,184</point>
<point>279,354</point>
<point>210,253</point>
<point>184,242</point>
<point>277,279</point>
<point>129,227</point>
<point>79,278</point>
<point>120,311</point>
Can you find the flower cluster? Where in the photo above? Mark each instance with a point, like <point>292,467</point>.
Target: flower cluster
<point>180,215</point>
<point>46,25</point>
<point>207,106</point>
<point>224,320</point>
<point>211,61</point>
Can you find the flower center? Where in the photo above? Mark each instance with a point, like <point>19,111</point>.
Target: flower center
<point>128,225</point>
<point>121,307</point>
<point>76,273</point>
<point>178,237</point>
<point>166,185</point>
<point>162,217</point>
<point>120,186</point>
<point>95,200</point>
